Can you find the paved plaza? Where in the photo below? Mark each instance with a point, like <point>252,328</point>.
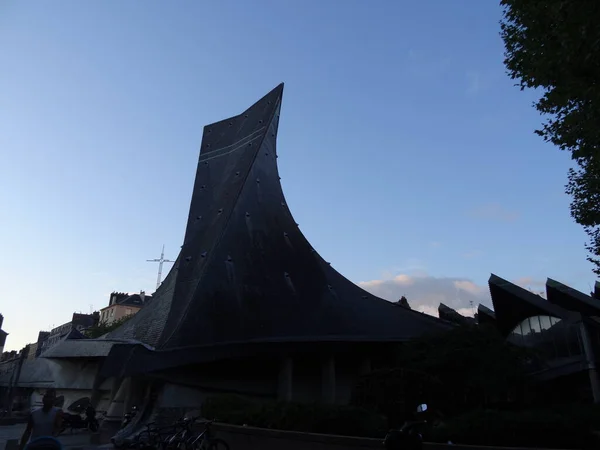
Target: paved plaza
<point>77,440</point>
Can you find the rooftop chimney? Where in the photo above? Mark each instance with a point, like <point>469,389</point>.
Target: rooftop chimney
<point>142,295</point>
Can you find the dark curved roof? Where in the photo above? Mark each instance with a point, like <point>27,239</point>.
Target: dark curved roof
<point>571,299</point>
<point>512,304</point>
<point>485,315</point>
<point>453,316</point>
<point>246,272</point>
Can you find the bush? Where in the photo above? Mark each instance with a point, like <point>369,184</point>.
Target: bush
<point>312,418</point>
<point>534,428</point>
<point>101,329</point>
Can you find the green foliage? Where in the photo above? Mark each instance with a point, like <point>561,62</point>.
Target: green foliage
<point>533,428</point>
<point>396,392</point>
<point>554,46</point>
<point>101,329</point>
<point>467,367</point>
<point>313,418</point>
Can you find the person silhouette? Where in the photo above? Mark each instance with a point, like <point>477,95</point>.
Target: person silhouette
<point>44,422</point>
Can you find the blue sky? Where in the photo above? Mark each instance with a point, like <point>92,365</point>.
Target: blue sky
<point>407,155</point>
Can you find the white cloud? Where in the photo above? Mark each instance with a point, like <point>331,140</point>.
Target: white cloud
<point>535,285</point>
<point>468,286</point>
<point>425,293</point>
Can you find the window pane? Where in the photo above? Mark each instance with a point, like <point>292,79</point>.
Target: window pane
<point>545,322</point>
<point>525,327</point>
<point>534,322</point>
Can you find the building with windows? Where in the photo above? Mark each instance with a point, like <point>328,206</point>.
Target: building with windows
<point>3,335</point>
<point>79,323</point>
<point>563,329</point>
<point>36,347</point>
<point>123,305</point>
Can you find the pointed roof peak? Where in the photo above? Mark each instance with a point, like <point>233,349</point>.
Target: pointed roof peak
<point>246,273</point>
<point>271,98</point>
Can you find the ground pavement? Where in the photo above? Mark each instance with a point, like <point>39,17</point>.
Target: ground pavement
<point>79,440</point>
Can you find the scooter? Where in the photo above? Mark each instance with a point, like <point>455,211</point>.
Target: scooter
<point>75,421</point>
<point>408,436</point>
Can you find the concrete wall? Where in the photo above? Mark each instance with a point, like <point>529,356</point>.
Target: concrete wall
<point>57,373</point>
<point>250,438</point>
<point>71,396</point>
<point>72,379</point>
<point>175,396</point>
<point>305,378</point>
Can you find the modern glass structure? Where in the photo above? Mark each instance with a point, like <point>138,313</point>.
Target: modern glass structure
<point>564,328</point>
<point>554,337</point>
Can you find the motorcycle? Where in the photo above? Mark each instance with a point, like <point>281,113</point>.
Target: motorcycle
<point>128,417</point>
<point>408,436</point>
<point>76,422</point>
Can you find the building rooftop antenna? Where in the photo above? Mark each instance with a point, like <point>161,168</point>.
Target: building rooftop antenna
<point>160,262</point>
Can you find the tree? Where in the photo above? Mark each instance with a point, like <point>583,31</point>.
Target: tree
<point>554,46</point>
<point>403,302</point>
<point>102,328</point>
<point>467,367</point>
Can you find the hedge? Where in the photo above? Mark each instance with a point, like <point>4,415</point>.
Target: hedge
<point>534,428</point>
<point>292,416</point>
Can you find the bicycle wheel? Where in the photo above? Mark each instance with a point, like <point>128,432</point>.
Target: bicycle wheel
<point>218,444</point>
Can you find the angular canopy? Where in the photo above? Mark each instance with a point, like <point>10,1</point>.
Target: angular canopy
<point>562,295</point>
<point>512,304</point>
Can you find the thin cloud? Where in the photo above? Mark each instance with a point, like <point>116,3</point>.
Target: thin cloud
<point>535,285</point>
<point>473,254</point>
<point>425,292</point>
<point>529,281</point>
<point>494,212</point>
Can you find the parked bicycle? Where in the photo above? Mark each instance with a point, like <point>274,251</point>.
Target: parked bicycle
<point>178,436</point>
<point>207,441</point>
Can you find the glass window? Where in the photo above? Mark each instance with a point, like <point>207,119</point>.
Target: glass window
<point>545,322</point>
<point>550,335</point>
<point>525,327</point>
<point>534,323</point>
<point>518,330</point>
